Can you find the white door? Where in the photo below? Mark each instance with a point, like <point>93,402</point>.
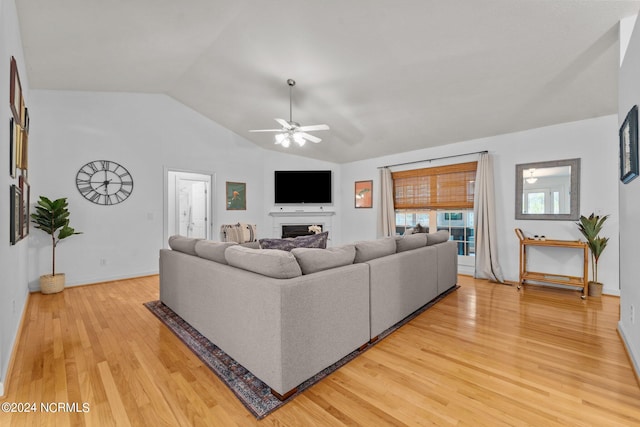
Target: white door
<point>188,207</point>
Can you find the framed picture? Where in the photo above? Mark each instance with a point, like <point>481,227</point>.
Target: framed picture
<point>16,100</point>
<point>24,149</point>
<point>629,146</point>
<point>236,196</point>
<point>14,221</point>
<point>13,148</point>
<point>25,189</point>
<point>364,194</point>
<point>17,138</point>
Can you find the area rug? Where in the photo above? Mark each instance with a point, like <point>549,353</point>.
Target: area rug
<point>254,394</point>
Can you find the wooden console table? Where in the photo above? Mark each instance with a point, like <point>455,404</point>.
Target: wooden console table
<point>559,279</point>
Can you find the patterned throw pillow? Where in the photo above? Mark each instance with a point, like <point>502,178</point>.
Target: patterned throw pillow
<point>312,241</point>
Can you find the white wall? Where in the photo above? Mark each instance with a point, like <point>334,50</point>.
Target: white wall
<point>145,133</point>
<point>594,141</point>
<point>13,259</point>
<point>628,96</point>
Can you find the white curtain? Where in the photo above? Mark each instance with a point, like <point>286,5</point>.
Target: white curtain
<point>487,265</point>
<point>387,210</point>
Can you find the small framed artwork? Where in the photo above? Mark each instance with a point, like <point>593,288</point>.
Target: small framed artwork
<point>629,146</point>
<point>24,149</point>
<point>364,194</point>
<point>13,148</point>
<point>17,138</point>
<point>236,196</point>
<point>25,189</point>
<point>15,92</point>
<point>15,202</point>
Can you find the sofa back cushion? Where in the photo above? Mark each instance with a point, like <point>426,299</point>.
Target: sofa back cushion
<point>312,260</point>
<point>268,262</point>
<point>213,251</point>
<point>183,244</point>
<point>411,241</point>
<point>318,241</point>
<point>371,249</point>
<point>437,237</point>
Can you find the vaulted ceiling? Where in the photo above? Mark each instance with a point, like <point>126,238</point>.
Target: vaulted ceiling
<point>386,75</point>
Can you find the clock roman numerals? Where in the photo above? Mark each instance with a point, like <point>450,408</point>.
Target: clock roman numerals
<point>104,182</point>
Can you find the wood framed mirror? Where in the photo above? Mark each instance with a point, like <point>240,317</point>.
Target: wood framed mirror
<point>548,190</point>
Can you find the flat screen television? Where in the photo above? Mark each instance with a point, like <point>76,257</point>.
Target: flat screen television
<point>296,187</point>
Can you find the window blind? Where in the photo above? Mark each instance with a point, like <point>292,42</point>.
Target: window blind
<point>442,187</point>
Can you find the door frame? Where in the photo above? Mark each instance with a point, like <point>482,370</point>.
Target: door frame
<point>165,198</point>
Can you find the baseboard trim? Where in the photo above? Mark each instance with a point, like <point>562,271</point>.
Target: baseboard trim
<point>97,281</point>
<point>4,386</point>
<point>627,348</point>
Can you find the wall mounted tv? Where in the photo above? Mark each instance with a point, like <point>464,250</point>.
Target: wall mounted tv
<point>295,187</point>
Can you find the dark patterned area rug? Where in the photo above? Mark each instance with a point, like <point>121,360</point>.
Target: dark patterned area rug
<point>254,394</point>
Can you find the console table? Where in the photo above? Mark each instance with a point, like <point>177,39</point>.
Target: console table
<point>559,279</point>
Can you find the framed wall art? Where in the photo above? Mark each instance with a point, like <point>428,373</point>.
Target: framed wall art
<point>236,196</point>
<point>25,189</point>
<point>13,148</point>
<point>16,100</point>
<point>14,222</point>
<point>364,194</point>
<point>629,146</point>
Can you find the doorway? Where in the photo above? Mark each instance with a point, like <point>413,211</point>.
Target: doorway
<point>188,209</point>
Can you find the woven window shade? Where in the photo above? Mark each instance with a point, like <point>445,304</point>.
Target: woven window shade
<point>443,187</point>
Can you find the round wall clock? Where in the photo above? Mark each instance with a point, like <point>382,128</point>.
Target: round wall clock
<point>104,182</point>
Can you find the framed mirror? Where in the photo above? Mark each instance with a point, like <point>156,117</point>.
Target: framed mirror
<point>548,190</point>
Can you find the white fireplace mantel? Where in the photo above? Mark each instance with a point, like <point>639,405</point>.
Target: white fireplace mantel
<point>295,216</point>
<point>301,212</point>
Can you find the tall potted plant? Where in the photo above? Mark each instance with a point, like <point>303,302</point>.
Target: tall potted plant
<point>590,228</point>
<point>52,217</point>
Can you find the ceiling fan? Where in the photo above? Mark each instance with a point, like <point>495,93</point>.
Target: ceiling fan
<point>292,131</point>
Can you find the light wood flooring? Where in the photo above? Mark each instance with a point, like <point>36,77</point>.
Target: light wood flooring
<point>486,355</point>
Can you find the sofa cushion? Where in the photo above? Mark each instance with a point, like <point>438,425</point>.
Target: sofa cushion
<point>311,241</point>
<point>268,262</point>
<point>437,237</point>
<point>213,251</point>
<point>252,245</point>
<point>183,244</point>
<point>312,260</point>
<point>371,249</point>
<point>411,241</point>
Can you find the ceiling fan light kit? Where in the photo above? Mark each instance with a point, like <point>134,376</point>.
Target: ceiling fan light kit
<point>292,131</point>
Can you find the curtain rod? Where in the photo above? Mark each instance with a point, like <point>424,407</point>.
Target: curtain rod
<point>436,158</point>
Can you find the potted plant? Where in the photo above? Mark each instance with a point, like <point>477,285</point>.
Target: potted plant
<point>53,217</point>
<point>590,228</point>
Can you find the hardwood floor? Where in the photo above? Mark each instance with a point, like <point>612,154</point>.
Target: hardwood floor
<point>486,355</point>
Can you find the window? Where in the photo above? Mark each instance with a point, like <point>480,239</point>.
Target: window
<point>440,196</point>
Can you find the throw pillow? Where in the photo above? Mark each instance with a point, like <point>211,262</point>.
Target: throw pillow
<point>420,229</point>
<point>213,251</point>
<point>312,241</point>
<point>437,237</point>
<point>268,262</point>
<point>183,244</point>
<point>371,249</point>
<point>312,260</point>
<point>411,241</point>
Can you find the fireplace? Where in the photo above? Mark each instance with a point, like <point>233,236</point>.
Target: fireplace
<point>296,230</point>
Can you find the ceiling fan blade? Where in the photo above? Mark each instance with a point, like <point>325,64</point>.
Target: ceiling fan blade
<point>313,127</point>
<point>285,124</point>
<point>309,137</point>
<point>266,130</point>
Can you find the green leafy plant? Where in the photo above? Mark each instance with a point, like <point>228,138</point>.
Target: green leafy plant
<point>590,228</point>
<point>53,217</point>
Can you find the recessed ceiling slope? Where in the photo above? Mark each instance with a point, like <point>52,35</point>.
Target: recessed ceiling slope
<point>385,78</point>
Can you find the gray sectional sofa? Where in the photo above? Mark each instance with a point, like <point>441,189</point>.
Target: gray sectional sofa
<point>285,316</point>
